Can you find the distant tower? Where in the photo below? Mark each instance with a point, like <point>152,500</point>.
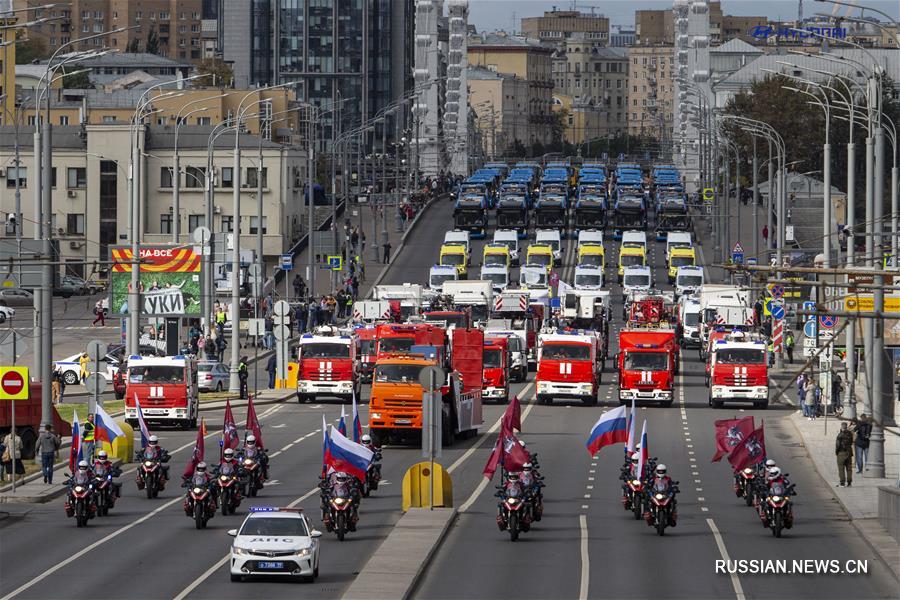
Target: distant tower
<point>800,13</point>
<point>456,107</point>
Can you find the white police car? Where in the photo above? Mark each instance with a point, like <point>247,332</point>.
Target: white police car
<point>275,541</point>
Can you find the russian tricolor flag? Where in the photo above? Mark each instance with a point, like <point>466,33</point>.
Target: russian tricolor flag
<point>345,455</point>
<point>342,424</point>
<point>611,428</point>
<point>106,429</point>
<point>357,426</point>
<point>145,431</point>
<point>629,446</point>
<point>645,452</point>
<point>75,451</point>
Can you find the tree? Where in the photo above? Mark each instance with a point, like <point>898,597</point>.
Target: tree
<point>31,50</point>
<point>559,124</point>
<point>78,81</point>
<point>152,41</point>
<point>134,46</point>
<point>217,71</point>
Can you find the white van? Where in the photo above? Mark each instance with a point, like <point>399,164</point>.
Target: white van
<point>590,236</point>
<point>688,280</point>
<point>677,239</point>
<point>458,236</point>
<point>637,280</point>
<point>689,320</point>
<point>438,274</point>
<point>588,277</point>
<point>550,237</point>
<point>509,238</point>
<point>634,238</point>
<point>498,275</point>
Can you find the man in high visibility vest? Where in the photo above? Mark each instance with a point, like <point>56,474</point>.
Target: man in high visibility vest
<point>87,439</point>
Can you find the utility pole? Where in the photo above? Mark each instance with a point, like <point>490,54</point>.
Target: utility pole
<point>234,385</point>
<point>310,198</point>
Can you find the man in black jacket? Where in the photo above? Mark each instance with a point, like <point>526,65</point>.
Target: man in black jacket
<point>861,443</point>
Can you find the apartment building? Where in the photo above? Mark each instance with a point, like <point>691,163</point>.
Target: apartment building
<point>170,28</point>
<point>498,101</point>
<point>557,26</point>
<point>651,70</point>
<point>655,27</point>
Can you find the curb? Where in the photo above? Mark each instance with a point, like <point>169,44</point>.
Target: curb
<point>43,498</point>
<point>893,567</point>
<point>430,555</point>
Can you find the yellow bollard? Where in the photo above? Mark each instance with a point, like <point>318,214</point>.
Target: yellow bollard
<point>122,447</point>
<point>417,490</point>
<point>291,381</point>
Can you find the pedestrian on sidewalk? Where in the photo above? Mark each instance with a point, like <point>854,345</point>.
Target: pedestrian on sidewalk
<point>220,346</point>
<point>837,386</point>
<point>47,447</point>
<point>299,286</point>
<point>99,314</point>
<point>863,431</point>
<point>809,398</point>
<point>354,239</point>
<point>387,252</point>
<point>843,449</point>
<point>58,384</point>
<point>789,346</point>
<point>243,372</point>
<point>765,233</point>
<point>801,393</point>
<point>83,361</point>
<point>271,367</point>
<point>12,456</point>
<point>300,318</point>
<point>362,241</point>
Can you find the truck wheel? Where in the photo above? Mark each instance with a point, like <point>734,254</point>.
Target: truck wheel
<point>446,433</point>
<point>717,403</point>
<point>761,405</point>
<point>667,403</point>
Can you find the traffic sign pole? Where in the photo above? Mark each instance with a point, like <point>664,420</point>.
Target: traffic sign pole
<point>13,387</point>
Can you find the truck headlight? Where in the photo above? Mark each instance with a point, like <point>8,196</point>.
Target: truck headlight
<point>375,415</point>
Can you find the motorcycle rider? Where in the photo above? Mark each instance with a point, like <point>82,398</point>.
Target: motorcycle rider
<point>200,472</point>
<point>774,476</point>
<point>153,451</point>
<point>340,478</point>
<point>251,450</point>
<point>83,476</point>
<point>103,462</point>
<point>661,481</point>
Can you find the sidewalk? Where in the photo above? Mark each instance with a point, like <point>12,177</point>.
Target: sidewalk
<point>859,501</point>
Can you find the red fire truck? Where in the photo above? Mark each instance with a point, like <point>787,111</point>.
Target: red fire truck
<point>327,367</point>
<point>568,367</point>
<point>647,362</point>
<point>739,371</point>
<point>496,369</point>
<point>166,387</point>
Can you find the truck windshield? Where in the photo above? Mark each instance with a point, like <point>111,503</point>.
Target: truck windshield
<point>533,278</point>
<point>540,259</point>
<point>632,260</point>
<point>397,373</point>
<point>691,319</point>
<point>468,217</point>
<point>366,346</point>
<point>681,261</point>
<point>591,260</point>
<point>495,259</point>
<point>646,361</point>
<point>690,281</point>
<point>637,280</point>
<point>552,242</point>
<point>498,279</point>
<point>740,356</point>
<point>395,344</point>
<point>156,374</point>
<point>479,312</point>
<point>491,358</point>
<point>325,350</point>
<point>450,318</point>
<point>587,280</point>
<point>437,280</point>
<point>452,259</point>
<point>566,352</point>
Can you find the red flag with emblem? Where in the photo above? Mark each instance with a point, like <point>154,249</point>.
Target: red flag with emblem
<point>507,452</point>
<point>729,433</point>
<point>198,452</point>
<point>230,437</point>
<point>750,451</point>
<point>253,424</point>
<point>512,417</point>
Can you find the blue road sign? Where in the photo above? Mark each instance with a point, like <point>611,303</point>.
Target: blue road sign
<point>335,263</point>
<point>809,329</point>
<point>737,258</point>
<point>751,260</point>
<point>287,262</point>
<point>621,156</point>
<point>777,310</point>
<point>809,307</point>
<point>828,321</point>
<point>777,291</point>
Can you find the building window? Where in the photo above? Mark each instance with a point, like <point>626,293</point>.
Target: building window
<point>11,173</point>
<point>227,177</point>
<point>204,120</point>
<point>75,224</point>
<point>195,221</point>
<point>53,178</point>
<point>194,177</point>
<point>634,116</point>
<point>63,120</point>
<point>165,223</point>
<point>227,224</point>
<point>251,178</point>
<point>76,178</point>
<point>109,118</point>
<point>254,223</point>
<point>165,177</point>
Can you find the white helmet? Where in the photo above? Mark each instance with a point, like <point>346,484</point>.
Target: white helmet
<point>770,463</point>
<point>366,438</point>
<point>527,467</point>
<point>522,443</point>
<point>229,453</point>
<point>102,455</point>
<point>251,439</point>
<point>82,465</point>
<point>201,467</point>
<point>153,440</point>
<point>774,472</point>
<point>661,469</point>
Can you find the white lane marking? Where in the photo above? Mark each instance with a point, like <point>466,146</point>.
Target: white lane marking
<point>585,560</point>
<point>87,549</point>
<point>584,506</point>
<point>194,584</point>
<point>274,454</point>
<point>700,498</point>
<point>735,580</point>
<point>279,426</point>
<point>704,509</point>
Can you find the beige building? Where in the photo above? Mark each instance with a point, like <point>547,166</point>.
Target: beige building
<point>658,27</point>
<point>90,188</point>
<point>528,60</point>
<point>7,72</point>
<point>595,80</point>
<point>175,25</point>
<point>557,26</point>
<point>498,102</point>
<point>650,90</point>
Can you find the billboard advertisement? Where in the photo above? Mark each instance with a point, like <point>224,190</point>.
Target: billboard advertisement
<point>169,281</point>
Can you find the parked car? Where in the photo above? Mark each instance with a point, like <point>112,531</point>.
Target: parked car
<point>212,376</point>
<point>97,286</point>
<point>71,368</point>
<point>67,287</point>
<point>16,297</point>
<point>6,313</point>
<point>83,288</point>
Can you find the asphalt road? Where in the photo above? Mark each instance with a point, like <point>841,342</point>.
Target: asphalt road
<point>586,544</point>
